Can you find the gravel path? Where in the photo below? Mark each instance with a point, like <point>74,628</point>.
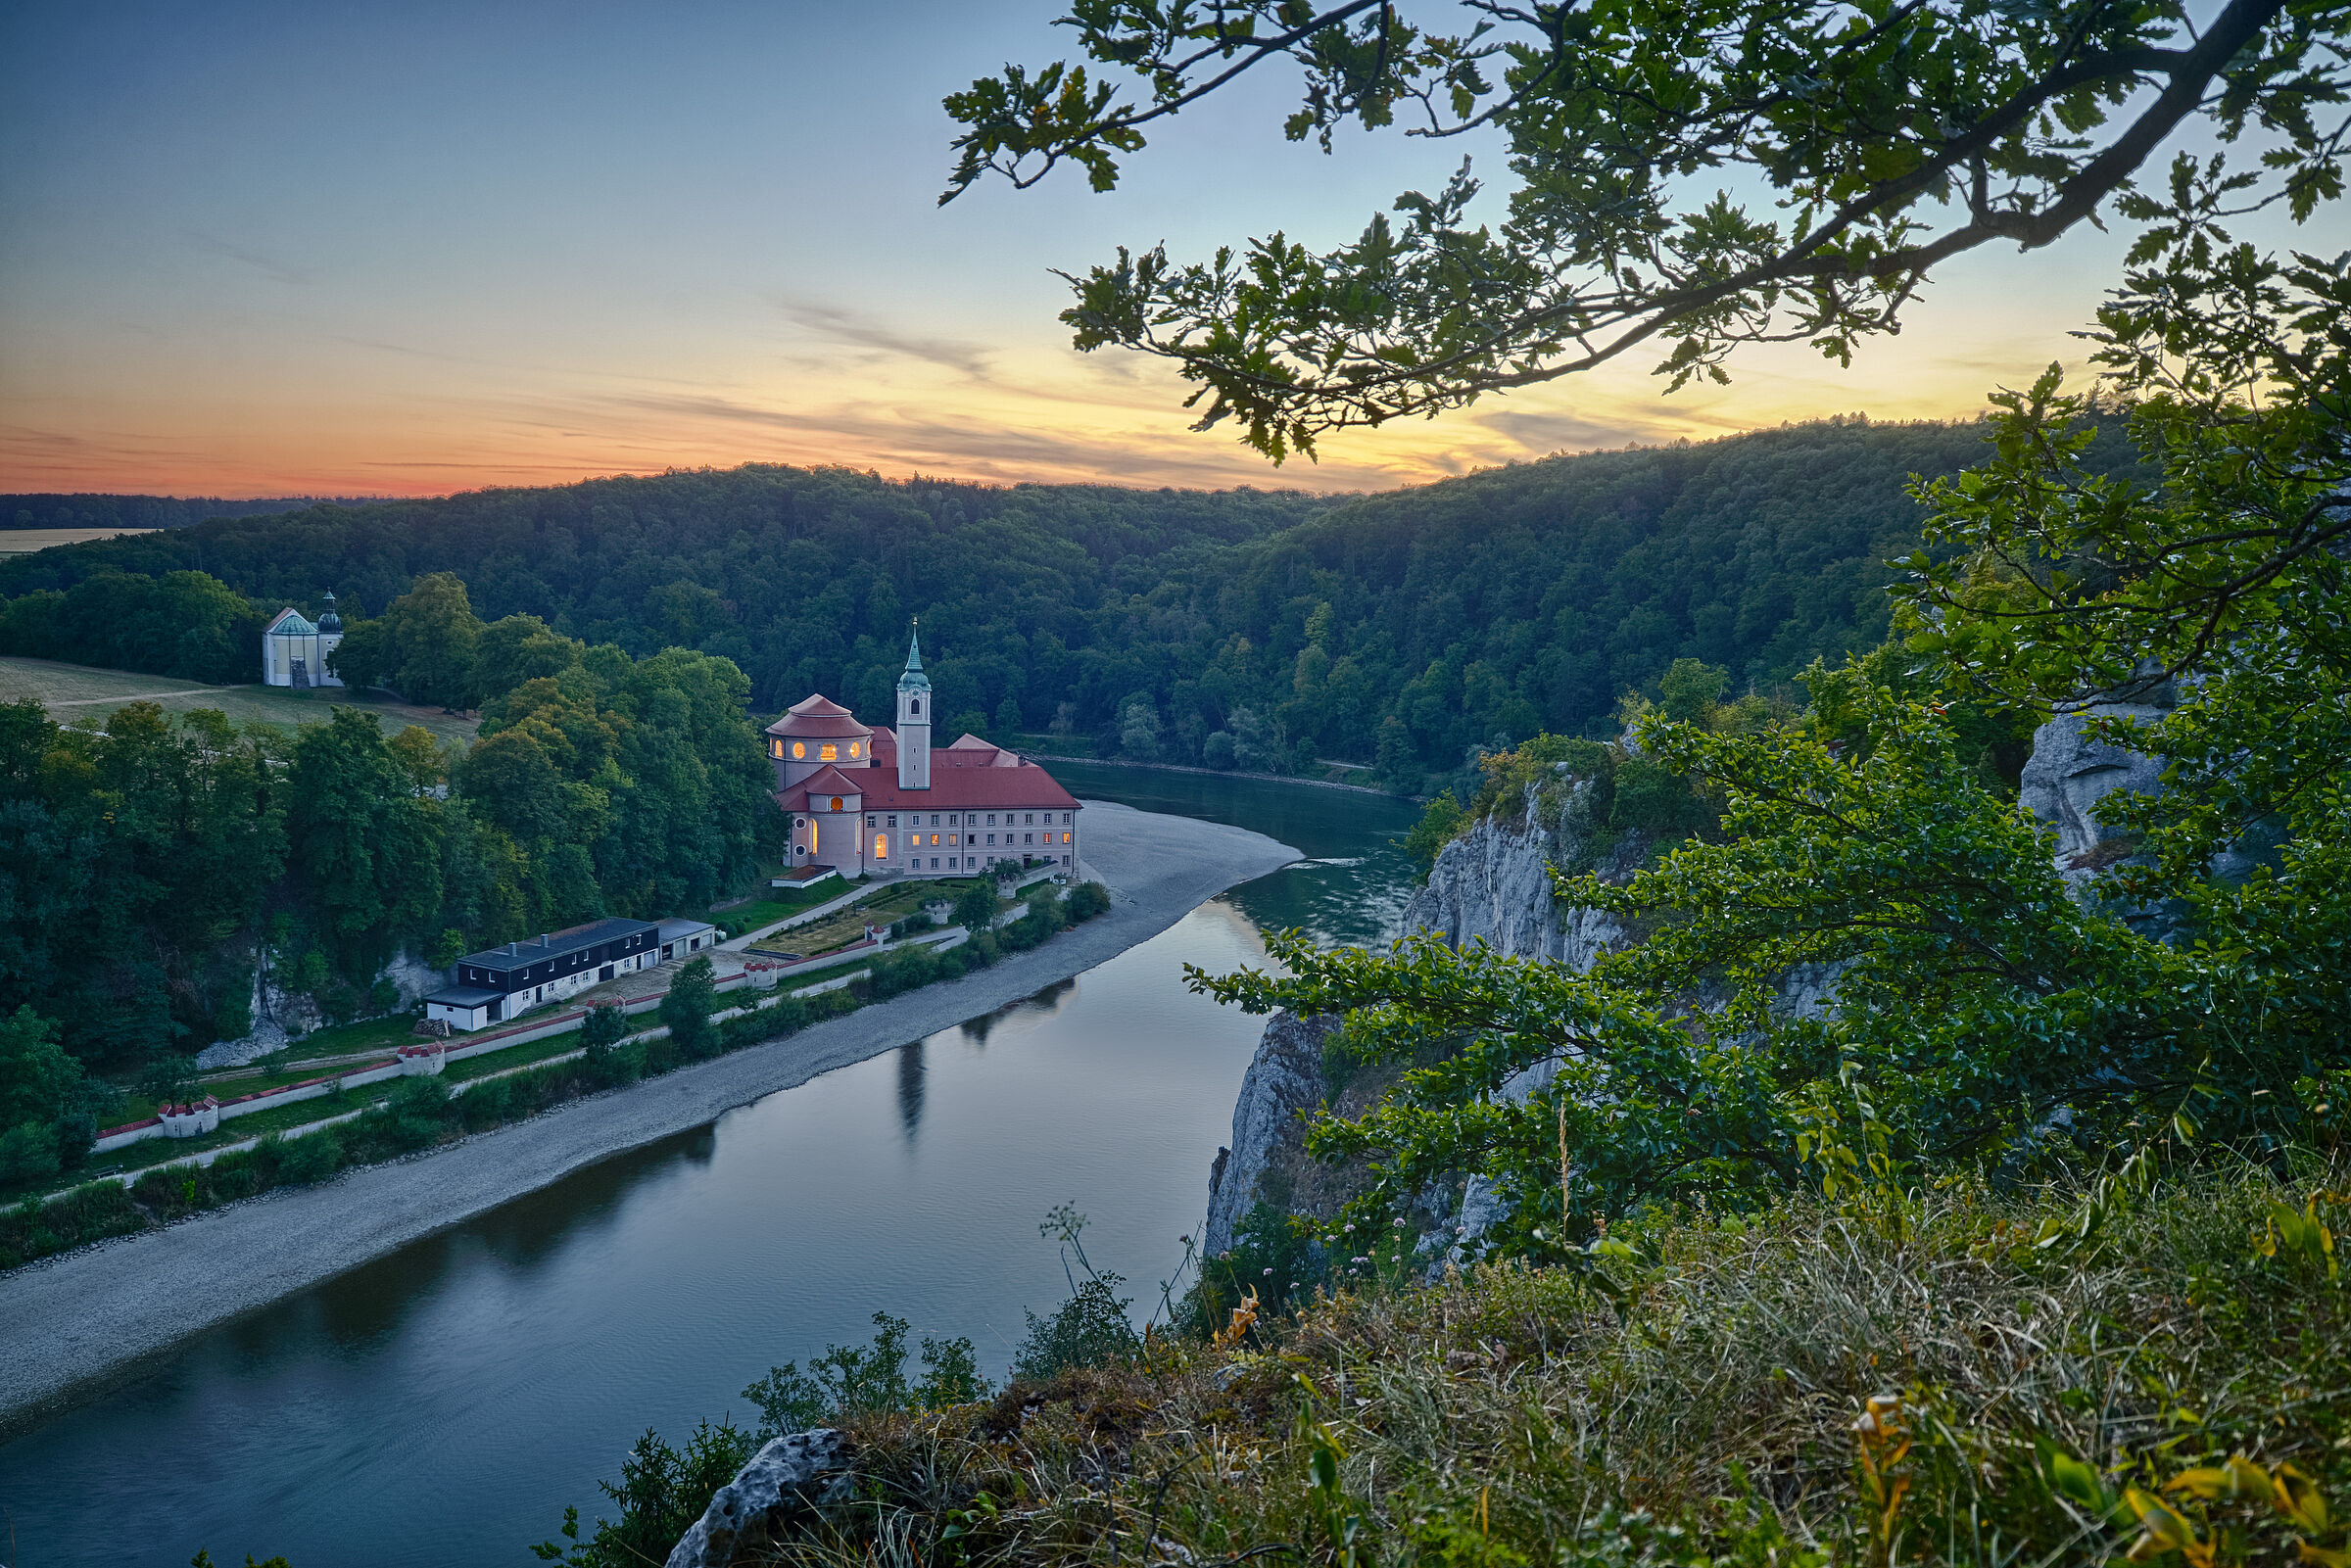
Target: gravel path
<point>100,1312</point>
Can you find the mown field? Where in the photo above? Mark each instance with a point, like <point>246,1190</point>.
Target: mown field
<point>72,692</point>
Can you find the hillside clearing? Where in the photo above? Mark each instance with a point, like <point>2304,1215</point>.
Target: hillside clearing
<point>72,692</point>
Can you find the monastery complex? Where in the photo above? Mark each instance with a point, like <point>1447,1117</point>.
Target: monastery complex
<point>885,802</point>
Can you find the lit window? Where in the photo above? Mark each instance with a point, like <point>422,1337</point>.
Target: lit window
<point>881,847</point>
<point>799,750</point>
<point>835,802</point>
<point>828,752</point>
<point>852,748</point>
<point>774,749</point>
<point>1065,838</point>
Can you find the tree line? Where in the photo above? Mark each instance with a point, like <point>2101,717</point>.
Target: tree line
<point>1258,630</point>
<point>153,864</point>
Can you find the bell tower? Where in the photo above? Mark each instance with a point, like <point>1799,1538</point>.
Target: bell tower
<point>914,719</point>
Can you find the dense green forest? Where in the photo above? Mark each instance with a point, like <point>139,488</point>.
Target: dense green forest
<point>1239,628</point>
<point>49,511</point>
<point>149,866</point>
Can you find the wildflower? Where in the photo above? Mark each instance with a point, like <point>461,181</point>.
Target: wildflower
<point>1269,1272</point>
<point>1350,1229</point>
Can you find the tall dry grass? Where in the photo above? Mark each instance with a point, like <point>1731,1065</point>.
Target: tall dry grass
<point>2041,1369</point>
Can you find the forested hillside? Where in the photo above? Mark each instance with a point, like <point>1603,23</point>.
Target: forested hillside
<point>134,511</point>
<point>1240,628</point>
<point>148,868</point>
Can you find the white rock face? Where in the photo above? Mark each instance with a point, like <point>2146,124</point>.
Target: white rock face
<point>2069,774</point>
<point>764,1493</point>
<point>1284,1077</point>
<point>279,1016</point>
<point>1492,883</point>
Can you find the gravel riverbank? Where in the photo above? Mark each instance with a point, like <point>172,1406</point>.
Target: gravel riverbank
<point>96,1315</point>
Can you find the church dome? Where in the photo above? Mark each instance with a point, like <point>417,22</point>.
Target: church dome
<point>330,622</point>
<point>818,718</point>
<point>291,624</point>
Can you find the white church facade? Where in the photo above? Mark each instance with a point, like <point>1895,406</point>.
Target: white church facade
<point>294,650</point>
<point>885,802</point>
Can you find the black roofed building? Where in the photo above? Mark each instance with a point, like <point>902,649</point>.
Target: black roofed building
<point>496,984</point>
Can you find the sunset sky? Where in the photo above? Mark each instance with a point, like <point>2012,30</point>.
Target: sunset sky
<point>252,248</point>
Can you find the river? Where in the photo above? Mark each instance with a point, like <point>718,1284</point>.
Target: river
<point>439,1406</point>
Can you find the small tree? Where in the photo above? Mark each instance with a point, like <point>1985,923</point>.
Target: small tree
<point>693,997</point>
<point>976,909</point>
<point>604,1028</point>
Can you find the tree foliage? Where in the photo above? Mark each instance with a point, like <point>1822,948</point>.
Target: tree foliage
<point>1412,630</point>
<point>1890,137</point>
<point>1987,1007</point>
<point>153,863</point>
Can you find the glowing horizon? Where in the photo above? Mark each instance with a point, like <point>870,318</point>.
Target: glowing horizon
<point>268,250</point>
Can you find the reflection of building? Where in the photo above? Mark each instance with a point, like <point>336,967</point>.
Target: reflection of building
<point>294,651</point>
<point>887,802</point>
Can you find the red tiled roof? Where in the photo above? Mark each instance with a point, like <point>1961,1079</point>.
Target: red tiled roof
<point>828,781</point>
<point>819,718</point>
<point>959,788</point>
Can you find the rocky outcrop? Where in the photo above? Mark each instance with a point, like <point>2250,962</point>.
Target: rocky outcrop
<point>1492,883</point>
<point>1284,1078</point>
<point>2070,774</point>
<point>781,1480</point>
<point>280,1015</point>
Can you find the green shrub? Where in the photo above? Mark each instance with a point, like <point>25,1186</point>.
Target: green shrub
<point>312,1156</point>
<point>1090,1329</point>
<point>975,907</point>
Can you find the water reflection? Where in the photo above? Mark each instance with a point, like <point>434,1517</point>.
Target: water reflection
<point>442,1404</point>
<point>1352,889</point>
<point>910,1087</point>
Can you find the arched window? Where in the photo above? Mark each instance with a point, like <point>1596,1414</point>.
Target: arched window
<point>917,707</point>
<point>828,752</point>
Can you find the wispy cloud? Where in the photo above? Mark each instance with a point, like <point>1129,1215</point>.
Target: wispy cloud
<point>860,330</point>
<point>268,266</point>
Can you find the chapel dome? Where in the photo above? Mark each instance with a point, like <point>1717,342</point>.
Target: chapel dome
<point>818,718</point>
<point>291,624</point>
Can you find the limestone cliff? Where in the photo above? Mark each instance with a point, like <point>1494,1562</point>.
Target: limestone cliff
<point>1284,1078</point>
<point>1491,884</point>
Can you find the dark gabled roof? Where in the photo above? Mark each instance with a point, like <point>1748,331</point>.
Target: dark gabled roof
<point>464,996</point>
<point>557,944</point>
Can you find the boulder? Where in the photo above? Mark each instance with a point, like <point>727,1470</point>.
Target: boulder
<point>778,1483</point>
